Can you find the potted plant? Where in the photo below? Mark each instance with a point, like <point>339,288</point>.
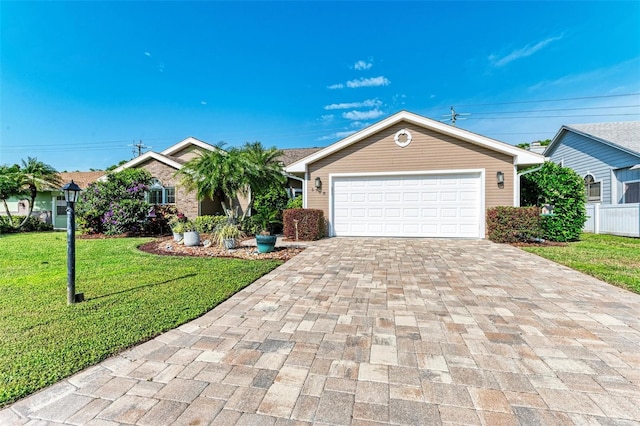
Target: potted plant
<point>227,235</point>
<point>178,231</point>
<point>264,240</point>
<point>191,236</point>
<point>176,223</point>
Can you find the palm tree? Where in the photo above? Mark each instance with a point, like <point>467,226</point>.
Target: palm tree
<point>37,176</point>
<point>266,169</point>
<point>217,173</point>
<point>11,185</point>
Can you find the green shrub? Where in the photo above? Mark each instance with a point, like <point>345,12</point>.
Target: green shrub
<point>250,225</point>
<point>295,203</point>
<point>117,205</point>
<point>310,224</point>
<point>33,224</point>
<point>512,224</point>
<point>208,224</point>
<point>273,199</point>
<point>564,189</point>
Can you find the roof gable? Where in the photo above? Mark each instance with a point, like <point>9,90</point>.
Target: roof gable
<point>521,157</point>
<point>165,156</point>
<point>624,136</point>
<point>172,150</point>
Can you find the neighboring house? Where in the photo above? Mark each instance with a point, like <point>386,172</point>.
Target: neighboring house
<point>607,157</point>
<point>50,206</point>
<point>411,176</point>
<point>167,190</point>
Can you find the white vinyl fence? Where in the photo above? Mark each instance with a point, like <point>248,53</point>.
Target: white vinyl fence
<point>615,219</point>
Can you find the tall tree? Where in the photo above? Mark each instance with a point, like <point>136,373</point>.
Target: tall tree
<point>266,170</point>
<point>37,176</point>
<point>217,173</point>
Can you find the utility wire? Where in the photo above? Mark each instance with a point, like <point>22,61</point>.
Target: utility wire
<point>553,116</point>
<point>551,100</point>
<point>557,109</point>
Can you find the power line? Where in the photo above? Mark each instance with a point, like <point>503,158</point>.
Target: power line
<point>553,100</point>
<point>554,116</point>
<point>558,109</point>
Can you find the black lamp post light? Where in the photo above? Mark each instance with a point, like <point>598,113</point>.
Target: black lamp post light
<point>71,194</point>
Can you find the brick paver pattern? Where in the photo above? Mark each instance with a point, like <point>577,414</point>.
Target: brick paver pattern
<point>393,331</point>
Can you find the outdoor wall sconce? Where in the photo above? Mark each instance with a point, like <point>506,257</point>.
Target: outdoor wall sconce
<point>71,194</point>
<point>318,183</point>
<point>500,178</point>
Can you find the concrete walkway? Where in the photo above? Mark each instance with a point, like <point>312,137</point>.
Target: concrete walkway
<point>359,331</point>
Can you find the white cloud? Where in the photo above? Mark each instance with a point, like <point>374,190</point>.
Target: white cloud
<point>362,65</point>
<point>147,54</point>
<point>327,118</point>
<point>362,115</point>
<point>337,135</point>
<point>336,86</point>
<point>528,50</point>
<point>358,124</point>
<point>369,103</point>
<point>203,102</point>
<point>368,82</point>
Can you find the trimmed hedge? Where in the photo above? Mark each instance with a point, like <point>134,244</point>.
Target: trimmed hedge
<point>33,224</point>
<point>512,224</point>
<point>310,224</point>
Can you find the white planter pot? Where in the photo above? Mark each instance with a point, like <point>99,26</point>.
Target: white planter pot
<point>191,238</point>
<point>177,237</point>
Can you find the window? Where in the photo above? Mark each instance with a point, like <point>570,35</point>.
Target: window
<point>592,188</point>
<point>61,205</point>
<point>631,192</point>
<point>159,194</point>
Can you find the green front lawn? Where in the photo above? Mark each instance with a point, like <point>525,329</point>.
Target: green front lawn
<point>615,260</point>
<point>130,297</point>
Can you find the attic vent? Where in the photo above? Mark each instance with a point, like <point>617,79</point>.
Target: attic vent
<point>402,138</point>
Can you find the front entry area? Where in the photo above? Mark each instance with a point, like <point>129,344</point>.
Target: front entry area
<point>409,205</point>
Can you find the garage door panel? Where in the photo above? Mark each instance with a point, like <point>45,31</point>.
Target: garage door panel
<point>410,196</point>
<point>358,197</point>
<point>417,205</point>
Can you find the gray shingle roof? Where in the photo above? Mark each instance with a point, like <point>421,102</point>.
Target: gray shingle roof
<point>290,156</point>
<point>625,134</point>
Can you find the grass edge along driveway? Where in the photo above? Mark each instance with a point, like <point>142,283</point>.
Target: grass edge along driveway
<point>130,297</point>
<point>609,258</point>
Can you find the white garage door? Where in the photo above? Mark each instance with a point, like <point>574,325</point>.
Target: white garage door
<point>447,205</point>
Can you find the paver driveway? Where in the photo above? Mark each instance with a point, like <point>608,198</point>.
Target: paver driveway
<point>402,331</point>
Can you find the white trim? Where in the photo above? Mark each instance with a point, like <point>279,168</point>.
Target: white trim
<point>141,159</point>
<point>584,179</point>
<point>304,189</point>
<point>399,133</point>
<point>481,172</point>
<point>521,156</point>
<point>613,192</point>
<point>516,187</point>
<point>186,142</point>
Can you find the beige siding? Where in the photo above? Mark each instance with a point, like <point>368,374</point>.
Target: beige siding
<point>187,153</point>
<point>427,151</point>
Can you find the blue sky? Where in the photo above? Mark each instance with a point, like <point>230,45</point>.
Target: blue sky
<point>81,81</point>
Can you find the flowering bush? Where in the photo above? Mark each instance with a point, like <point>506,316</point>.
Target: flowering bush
<point>116,205</point>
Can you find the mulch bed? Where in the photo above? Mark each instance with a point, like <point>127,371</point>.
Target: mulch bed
<point>168,247</point>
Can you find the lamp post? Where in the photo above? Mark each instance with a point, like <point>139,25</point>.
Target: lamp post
<point>71,194</point>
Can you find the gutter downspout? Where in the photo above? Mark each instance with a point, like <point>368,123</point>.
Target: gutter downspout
<point>526,172</point>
